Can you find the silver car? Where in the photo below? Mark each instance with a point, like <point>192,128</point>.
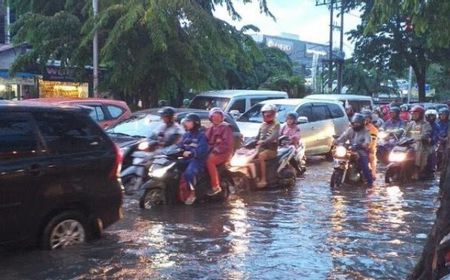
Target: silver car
<point>319,120</point>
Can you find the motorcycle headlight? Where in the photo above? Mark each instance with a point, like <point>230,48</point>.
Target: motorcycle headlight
<point>340,151</point>
<point>143,146</point>
<point>382,134</point>
<point>397,156</point>
<point>159,172</point>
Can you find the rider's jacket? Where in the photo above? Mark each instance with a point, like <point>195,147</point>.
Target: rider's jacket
<point>356,138</point>
<point>394,124</point>
<point>169,135</point>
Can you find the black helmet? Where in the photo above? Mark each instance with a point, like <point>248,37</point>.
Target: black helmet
<point>395,109</point>
<point>167,112</point>
<point>292,115</point>
<point>366,113</point>
<point>358,121</point>
<point>195,119</point>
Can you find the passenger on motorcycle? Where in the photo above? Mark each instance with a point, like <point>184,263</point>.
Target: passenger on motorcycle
<point>195,151</point>
<point>404,113</point>
<point>431,116</point>
<point>373,131</point>
<point>359,138</point>
<point>394,123</point>
<point>169,132</point>
<point>443,123</point>
<point>220,140</point>
<point>267,139</point>
<point>292,131</point>
<point>420,130</point>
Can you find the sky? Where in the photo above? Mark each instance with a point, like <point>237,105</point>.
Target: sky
<point>300,17</point>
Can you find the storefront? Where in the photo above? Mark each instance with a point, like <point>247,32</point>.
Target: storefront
<point>20,86</point>
<point>63,82</point>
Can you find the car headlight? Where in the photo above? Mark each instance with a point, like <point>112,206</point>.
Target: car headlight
<point>397,156</point>
<point>143,146</point>
<point>340,151</point>
<point>160,172</point>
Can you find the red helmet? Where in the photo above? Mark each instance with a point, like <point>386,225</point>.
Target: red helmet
<point>418,109</point>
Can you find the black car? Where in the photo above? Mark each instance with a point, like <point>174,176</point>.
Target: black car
<point>59,171</point>
<point>142,125</point>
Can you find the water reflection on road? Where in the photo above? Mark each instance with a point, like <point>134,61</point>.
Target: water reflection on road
<point>309,232</point>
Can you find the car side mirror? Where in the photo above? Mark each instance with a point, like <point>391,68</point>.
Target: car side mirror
<point>302,119</point>
<point>235,114</point>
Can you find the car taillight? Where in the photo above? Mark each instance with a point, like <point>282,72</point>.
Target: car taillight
<point>447,259</point>
<point>115,172</point>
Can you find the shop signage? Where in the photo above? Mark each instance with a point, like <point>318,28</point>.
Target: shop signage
<point>54,73</point>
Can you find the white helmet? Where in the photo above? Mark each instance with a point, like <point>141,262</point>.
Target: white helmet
<point>268,107</point>
<point>431,112</point>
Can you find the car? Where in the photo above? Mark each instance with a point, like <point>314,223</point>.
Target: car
<point>59,173</point>
<point>235,101</point>
<point>319,120</point>
<point>358,102</point>
<point>106,112</point>
<point>142,125</point>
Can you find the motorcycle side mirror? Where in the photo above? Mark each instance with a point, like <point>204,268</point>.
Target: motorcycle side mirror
<point>302,119</point>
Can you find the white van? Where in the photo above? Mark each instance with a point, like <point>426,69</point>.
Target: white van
<point>357,102</point>
<point>236,102</point>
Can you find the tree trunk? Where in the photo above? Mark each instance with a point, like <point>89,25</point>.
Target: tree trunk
<point>420,77</point>
<point>441,227</point>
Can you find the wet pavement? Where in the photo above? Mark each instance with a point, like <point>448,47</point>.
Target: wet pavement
<point>308,232</point>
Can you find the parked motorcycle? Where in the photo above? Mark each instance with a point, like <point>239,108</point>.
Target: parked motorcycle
<point>246,172</point>
<point>386,142</point>
<point>401,167</point>
<point>346,167</point>
<point>165,182</point>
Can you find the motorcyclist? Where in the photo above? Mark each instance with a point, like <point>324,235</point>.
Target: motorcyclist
<point>443,123</point>
<point>394,123</point>
<point>220,140</point>
<point>373,131</point>
<point>169,132</point>
<point>195,151</point>
<point>267,139</point>
<point>431,116</point>
<point>404,113</point>
<point>349,111</point>
<point>186,103</point>
<point>292,131</point>
<point>420,130</point>
<point>359,138</point>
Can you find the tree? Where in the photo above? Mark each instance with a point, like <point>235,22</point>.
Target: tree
<point>152,48</point>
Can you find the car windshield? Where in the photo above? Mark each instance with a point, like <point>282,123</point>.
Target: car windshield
<point>208,102</point>
<point>254,114</point>
<point>142,125</point>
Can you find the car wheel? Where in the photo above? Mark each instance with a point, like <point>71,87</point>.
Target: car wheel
<point>63,230</point>
<point>152,197</point>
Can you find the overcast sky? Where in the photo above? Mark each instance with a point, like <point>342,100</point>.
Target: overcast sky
<point>300,17</point>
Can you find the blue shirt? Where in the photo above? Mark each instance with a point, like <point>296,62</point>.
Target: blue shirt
<point>434,133</point>
<point>443,129</point>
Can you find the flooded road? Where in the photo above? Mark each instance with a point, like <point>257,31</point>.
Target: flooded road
<point>308,232</point>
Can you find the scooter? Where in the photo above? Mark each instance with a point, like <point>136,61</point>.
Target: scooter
<point>386,142</point>
<point>298,161</point>
<point>165,184</point>
<point>346,167</point>
<point>401,167</point>
<point>246,172</point>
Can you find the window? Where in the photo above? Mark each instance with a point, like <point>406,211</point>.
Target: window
<point>208,102</point>
<point>238,105</point>
<point>115,111</point>
<point>306,111</point>
<point>17,136</point>
<point>336,111</point>
<point>97,113</point>
<point>68,133</point>
<point>254,114</point>
<point>254,101</point>
<point>320,112</point>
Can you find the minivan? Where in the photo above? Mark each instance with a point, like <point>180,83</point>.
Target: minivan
<point>236,102</point>
<point>59,175</point>
<point>357,102</point>
<point>318,120</point>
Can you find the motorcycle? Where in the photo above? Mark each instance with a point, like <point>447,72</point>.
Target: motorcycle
<point>386,142</point>
<point>243,167</point>
<point>401,167</point>
<point>298,161</point>
<point>346,167</point>
<point>135,174</point>
<point>165,184</point>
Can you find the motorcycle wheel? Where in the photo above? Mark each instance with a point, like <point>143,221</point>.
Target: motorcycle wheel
<point>336,178</point>
<point>152,197</point>
<point>241,183</point>
<point>391,175</point>
<point>129,184</point>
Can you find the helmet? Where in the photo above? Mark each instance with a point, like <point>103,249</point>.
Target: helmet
<point>167,112</point>
<point>193,118</point>
<point>404,107</point>
<point>186,102</point>
<point>395,109</point>
<point>431,112</point>
<point>418,109</point>
<point>444,111</point>
<point>367,114</point>
<point>162,103</point>
<point>292,115</point>
<point>268,107</point>
<point>358,121</point>
<point>214,111</point>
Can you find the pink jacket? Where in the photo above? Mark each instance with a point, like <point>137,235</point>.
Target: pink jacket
<point>220,139</point>
<point>292,132</point>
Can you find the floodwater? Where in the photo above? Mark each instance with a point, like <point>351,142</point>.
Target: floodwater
<point>308,232</point>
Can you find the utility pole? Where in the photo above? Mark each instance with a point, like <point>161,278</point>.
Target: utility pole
<point>410,83</point>
<point>95,51</point>
<point>330,67</point>
<point>341,50</point>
